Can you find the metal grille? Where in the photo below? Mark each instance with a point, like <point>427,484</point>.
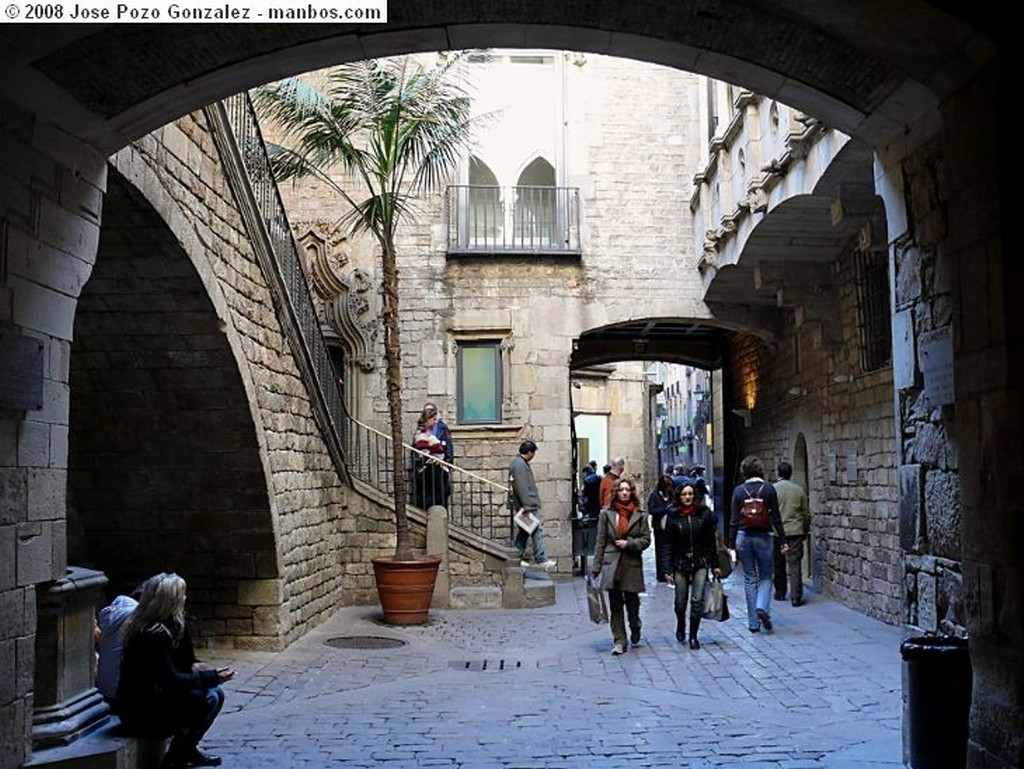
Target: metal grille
<point>247,166</point>
<point>484,219</point>
<point>874,313</point>
<point>484,665</point>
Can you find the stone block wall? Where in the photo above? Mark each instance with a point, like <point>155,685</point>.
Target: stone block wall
<point>801,387</point>
<point>50,201</point>
<point>634,193</point>
<point>295,576</point>
<point>930,511</point>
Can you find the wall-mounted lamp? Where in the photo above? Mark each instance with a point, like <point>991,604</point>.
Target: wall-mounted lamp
<point>797,391</point>
<point>744,414</point>
<point>838,378</point>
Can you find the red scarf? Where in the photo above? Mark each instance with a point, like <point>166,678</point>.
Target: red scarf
<point>686,510</point>
<point>625,511</point>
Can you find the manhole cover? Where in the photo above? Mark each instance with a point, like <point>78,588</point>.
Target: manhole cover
<point>364,642</point>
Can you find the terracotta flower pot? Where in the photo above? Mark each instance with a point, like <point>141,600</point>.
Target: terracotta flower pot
<point>405,588</point>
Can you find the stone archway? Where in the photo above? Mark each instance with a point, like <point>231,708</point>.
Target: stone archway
<point>802,475</point>
<point>862,74</point>
<point>164,469</point>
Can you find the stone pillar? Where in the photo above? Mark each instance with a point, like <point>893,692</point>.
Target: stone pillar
<point>437,544</point>
<point>67,703</point>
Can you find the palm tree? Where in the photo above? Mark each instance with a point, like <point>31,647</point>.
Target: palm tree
<point>399,129</point>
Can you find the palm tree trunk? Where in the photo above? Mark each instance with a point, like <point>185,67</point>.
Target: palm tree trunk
<point>393,370</point>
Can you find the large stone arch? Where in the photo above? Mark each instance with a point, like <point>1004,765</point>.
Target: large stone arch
<point>85,91</point>
<point>166,463</point>
<point>852,68</point>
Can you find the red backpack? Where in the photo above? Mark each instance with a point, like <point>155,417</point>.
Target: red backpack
<point>754,512</point>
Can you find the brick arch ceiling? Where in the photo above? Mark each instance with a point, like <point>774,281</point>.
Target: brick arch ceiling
<point>164,464</point>
<point>866,68</point>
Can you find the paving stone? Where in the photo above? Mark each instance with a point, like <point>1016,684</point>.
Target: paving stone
<point>314,705</point>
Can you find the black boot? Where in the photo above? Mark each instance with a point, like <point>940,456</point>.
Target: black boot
<point>681,629</point>
<point>694,626</point>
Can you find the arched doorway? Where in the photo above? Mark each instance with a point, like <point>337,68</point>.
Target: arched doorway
<point>801,475</point>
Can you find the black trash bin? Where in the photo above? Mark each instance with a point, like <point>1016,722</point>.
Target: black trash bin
<point>939,700</point>
<point>584,537</point>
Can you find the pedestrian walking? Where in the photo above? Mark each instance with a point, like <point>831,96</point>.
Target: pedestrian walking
<point>623,533</point>
<point>796,522</point>
<point>754,515</point>
<point>691,554</point>
<point>523,495</point>
<point>659,502</point>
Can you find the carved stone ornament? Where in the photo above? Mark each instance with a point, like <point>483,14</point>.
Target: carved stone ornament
<point>347,299</point>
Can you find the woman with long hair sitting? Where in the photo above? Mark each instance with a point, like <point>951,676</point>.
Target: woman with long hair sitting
<point>162,691</point>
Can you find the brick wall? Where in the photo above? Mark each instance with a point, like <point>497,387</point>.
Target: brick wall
<point>848,428</point>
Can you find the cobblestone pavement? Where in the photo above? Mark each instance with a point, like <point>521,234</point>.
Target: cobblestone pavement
<point>538,688</point>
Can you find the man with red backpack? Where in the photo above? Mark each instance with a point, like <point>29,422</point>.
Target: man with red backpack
<point>754,515</point>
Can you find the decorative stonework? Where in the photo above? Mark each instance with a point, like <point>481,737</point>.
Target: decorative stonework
<point>347,306</point>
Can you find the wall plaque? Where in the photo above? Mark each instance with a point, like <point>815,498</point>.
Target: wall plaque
<point>21,372</point>
<point>937,366</point>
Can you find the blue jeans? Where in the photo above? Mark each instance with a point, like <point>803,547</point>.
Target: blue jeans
<point>689,597</point>
<point>539,555</point>
<point>199,709</point>
<point>755,552</point>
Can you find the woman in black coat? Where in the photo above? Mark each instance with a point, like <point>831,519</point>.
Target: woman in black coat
<point>162,691</point>
<point>690,537</point>
<point>658,504</point>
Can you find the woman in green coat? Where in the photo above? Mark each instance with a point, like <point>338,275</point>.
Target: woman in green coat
<point>623,534</point>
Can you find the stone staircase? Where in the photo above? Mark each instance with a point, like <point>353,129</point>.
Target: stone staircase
<point>522,589</point>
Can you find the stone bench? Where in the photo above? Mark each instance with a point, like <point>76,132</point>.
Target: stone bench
<point>107,747</point>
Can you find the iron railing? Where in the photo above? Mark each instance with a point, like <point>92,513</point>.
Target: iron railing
<point>237,133</point>
<point>493,220</point>
<point>476,504</point>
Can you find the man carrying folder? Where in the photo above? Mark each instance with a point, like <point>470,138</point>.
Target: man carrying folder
<point>524,501</point>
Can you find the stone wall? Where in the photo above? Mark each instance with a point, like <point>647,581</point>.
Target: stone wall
<point>930,515</point>
<point>50,202</point>
<point>636,262</point>
<point>294,577</point>
<point>804,390</point>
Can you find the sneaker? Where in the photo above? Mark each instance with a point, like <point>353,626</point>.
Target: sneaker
<point>618,649</point>
<point>634,637</point>
<point>547,565</point>
<point>766,620</point>
<point>525,564</point>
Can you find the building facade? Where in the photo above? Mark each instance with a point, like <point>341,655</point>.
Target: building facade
<point>933,116</point>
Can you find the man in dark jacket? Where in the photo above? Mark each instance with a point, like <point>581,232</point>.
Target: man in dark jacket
<point>523,495</point>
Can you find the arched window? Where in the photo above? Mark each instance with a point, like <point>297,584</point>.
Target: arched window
<point>535,219</point>
<point>485,216</point>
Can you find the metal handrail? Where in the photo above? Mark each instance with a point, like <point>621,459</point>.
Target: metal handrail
<point>236,132</point>
<point>476,503</point>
